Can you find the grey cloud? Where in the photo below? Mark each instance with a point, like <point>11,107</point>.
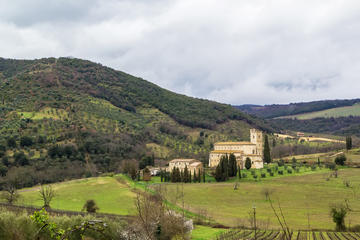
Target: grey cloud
<point>252,51</point>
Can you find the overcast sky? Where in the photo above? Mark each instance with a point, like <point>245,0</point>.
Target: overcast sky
<point>232,51</point>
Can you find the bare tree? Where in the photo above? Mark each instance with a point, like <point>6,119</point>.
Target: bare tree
<point>47,193</point>
<point>267,192</point>
<point>155,220</point>
<point>282,221</point>
<point>10,194</point>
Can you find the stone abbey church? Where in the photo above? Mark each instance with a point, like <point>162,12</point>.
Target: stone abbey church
<point>241,150</point>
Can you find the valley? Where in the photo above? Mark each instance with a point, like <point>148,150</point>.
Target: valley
<point>86,132</point>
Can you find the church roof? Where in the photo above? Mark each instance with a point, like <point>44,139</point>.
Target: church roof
<point>227,151</point>
<point>183,160</point>
<point>235,143</point>
<point>195,164</point>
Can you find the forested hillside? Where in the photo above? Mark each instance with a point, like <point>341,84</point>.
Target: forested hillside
<point>336,117</point>
<point>279,110</point>
<point>68,118</point>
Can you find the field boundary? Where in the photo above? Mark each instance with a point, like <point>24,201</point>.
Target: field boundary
<point>58,212</point>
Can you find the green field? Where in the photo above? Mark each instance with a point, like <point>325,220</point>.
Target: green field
<point>110,195</point>
<point>305,199</point>
<point>204,232</point>
<point>333,112</point>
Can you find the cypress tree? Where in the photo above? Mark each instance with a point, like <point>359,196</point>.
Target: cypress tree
<point>248,163</point>
<point>267,156</point>
<point>232,165</point>
<point>161,175</point>
<point>185,175</point>
<point>348,143</point>
<point>173,175</point>
<point>239,173</point>
<point>218,173</point>
<point>181,176</point>
<point>204,178</point>
<point>224,164</point>
<point>199,176</point>
<point>189,177</point>
<point>195,177</point>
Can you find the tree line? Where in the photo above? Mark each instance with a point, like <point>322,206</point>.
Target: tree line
<point>185,176</point>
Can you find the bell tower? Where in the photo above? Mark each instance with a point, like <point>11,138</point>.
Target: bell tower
<point>256,137</point>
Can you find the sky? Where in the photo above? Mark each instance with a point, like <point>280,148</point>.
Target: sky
<point>231,51</point>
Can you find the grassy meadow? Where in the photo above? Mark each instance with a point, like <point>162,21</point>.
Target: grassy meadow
<point>110,195</point>
<point>305,199</point>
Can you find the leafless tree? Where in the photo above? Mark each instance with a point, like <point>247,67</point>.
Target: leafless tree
<point>155,219</point>
<point>10,194</point>
<point>267,192</point>
<point>281,219</point>
<point>46,193</point>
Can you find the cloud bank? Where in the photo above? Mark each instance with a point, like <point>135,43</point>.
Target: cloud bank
<point>236,52</point>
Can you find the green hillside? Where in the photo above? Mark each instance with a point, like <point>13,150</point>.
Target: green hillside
<point>280,110</point>
<point>68,118</point>
<point>333,112</point>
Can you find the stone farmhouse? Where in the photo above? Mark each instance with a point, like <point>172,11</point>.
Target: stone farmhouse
<point>192,164</point>
<point>241,150</point>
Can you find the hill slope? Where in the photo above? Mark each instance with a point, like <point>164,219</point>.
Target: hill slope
<point>279,110</point>
<point>336,117</point>
<point>65,118</point>
<point>329,113</point>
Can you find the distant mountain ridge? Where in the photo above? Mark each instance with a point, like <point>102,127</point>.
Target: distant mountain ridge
<point>280,110</point>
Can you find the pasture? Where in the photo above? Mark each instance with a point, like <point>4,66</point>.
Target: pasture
<point>305,200</point>
<point>110,195</point>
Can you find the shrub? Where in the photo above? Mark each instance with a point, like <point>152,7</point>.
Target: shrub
<point>281,163</point>
<point>253,172</point>
<point>297,170</point>
<point>26,141</point>
<point>285,167</point>
<point>338,213</point>
<point>21,159</point>
<point>244,175</point>
<point>268,170</point>
<point>11,142</point>
<point>271,174</point>
<point>331,166</point>
<point>263,175</point>
<point>248,163</point>
<point>280,172</point>
<point>90,206</point>
<point>340,160</point>
<point>313,167</point>
<point>289,171</point>
<point>255,176</point>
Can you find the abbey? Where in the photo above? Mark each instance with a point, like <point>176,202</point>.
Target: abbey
<point>241,150</point>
